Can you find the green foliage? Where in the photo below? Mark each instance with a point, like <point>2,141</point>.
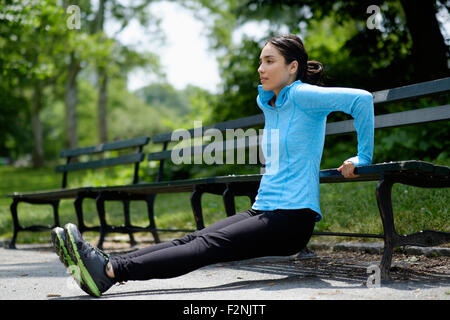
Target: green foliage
<point>170,103</point>
<point>32,48</point>
<point>131,116</point>
<point>335,33</point>
<point>14,132</point>
<point>36,45</point>
<point>240,82</point>
<point>201,104</point>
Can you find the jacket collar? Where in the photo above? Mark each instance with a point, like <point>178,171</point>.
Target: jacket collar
<point>266,96</point>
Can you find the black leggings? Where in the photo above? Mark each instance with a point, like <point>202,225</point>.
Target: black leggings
<point>249,234</point>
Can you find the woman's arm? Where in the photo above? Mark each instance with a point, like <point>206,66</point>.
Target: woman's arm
<point>355,102</point>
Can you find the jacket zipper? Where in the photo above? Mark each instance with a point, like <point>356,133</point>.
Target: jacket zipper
<point>275,107</point>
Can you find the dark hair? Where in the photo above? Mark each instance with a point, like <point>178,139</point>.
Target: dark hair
<point>291,48</point>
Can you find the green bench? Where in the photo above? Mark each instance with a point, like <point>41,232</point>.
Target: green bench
<point>410,172</point>
<point>129,152</point>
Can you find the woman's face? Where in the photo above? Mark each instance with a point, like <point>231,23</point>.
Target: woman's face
<point>274,73</point>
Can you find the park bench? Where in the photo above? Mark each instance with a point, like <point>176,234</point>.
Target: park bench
<point>100,156</point>
<point>409,172</point>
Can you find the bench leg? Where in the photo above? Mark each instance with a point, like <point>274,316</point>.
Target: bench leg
<point>126,212</point>
<point>196,204</point>
<point>230,193</point>
<point>78,204</point>
<point>100,202</point>
<point>16,225</point>
<point>228,201</point>
<point>151,216</point>
<point>252,197</point>
<point>383,195</point>
<point>55,206</point>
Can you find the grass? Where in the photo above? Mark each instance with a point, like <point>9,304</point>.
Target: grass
<point>346,207</point>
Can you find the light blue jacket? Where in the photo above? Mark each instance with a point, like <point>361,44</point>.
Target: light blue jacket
<point>294,136</point>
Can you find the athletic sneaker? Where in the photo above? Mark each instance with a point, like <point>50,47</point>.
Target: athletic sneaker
<point>59,243</point>
<point>91,262</point>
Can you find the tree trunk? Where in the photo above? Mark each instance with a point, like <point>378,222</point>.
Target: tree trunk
<point>102,84</point>
<point>102,104</point>
<point>429,49</point>
<point>71,101</point>
<point>38,148</point>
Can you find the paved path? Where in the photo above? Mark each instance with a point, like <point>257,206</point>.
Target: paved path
<point>35,273</point>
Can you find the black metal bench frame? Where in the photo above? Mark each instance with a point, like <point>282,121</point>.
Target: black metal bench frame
<point>411,172</point>
<point>53,197</point>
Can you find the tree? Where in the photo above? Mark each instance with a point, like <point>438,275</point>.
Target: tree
<point>407,25</point>
<point>407,46</point>
<point>240,80</point>
<point>103,59</point>
<point>32,50</point>
<point>102,79</point>
<point>428,42</point>
<point>75,57</point>
<point>39,50</point>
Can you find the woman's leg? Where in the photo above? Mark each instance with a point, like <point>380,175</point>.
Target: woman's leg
<point>268,233</point>
<point>189,237</point>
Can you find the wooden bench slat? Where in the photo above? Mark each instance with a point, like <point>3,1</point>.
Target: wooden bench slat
<point>396,119</point>
<point>441,170</point>
<point>370,173</point>
<point>223,146</point>
<point>48,194</point>
<point>173,186</point>
<point>417,90</point>
<point>416,166</point>
<point>131,158</point>
<point>115,145</point>
<point>246,122</point>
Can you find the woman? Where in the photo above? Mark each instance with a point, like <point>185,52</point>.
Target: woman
<point>286,208</point>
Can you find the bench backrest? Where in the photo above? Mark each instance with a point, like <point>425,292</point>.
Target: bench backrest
<point>132,156</point>
<point>397,119</point>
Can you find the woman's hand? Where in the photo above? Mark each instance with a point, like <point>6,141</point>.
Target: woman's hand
<point>347,169</point>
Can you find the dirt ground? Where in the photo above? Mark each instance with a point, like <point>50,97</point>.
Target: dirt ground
<point>354,264</point>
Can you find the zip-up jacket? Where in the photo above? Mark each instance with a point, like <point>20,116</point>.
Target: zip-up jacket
<point>294,136</point>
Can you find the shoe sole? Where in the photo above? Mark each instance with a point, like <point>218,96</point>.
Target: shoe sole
<point>64,257</point>
<point>61,250</point>
<point>75,255</point>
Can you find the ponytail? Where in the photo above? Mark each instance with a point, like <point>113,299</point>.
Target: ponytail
<point>314,73</point>
<point>292,49</point>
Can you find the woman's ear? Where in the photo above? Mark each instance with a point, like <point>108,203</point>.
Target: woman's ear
<point>293,67</point>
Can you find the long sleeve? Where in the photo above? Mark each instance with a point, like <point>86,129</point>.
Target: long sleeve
<point>358,103</point>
